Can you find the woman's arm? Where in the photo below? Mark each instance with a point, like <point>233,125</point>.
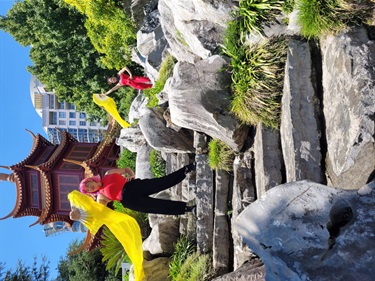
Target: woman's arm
<point>127,70</point>
<point>102,199</point>
<point>111,90</point>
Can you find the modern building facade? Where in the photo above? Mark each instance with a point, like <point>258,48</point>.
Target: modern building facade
<point>60,116</point>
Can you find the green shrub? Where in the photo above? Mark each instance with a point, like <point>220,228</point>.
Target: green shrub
<point>187,265</point>
<point>111,32</point>
<point>220,155</point>
<point>166,71</point>
<point>157,163</point>
<point>127,159</point>
<point>321,17</point>
<point>257,81</point>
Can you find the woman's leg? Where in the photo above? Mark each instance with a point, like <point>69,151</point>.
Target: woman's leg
<point>153,205</point>
<point>150,186</point>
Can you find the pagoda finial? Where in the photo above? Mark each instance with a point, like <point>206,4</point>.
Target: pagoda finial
<point>6,177</point>
<point>31,133</point>
<point>5,167</point>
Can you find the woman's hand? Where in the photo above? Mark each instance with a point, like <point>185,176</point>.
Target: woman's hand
<point>75,215</point>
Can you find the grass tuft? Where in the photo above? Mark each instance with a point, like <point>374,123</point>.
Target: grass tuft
<point>220,155</point>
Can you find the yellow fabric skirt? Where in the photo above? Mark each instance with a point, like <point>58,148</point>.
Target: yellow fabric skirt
<point>109,104</point>
<point>124,227</point>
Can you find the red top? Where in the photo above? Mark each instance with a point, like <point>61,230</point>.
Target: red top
<point>124,79</point>
<point>112,186</point>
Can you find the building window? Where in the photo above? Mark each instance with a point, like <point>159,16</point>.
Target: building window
<point>67,183</point>
<point>72,115</point>
<point>62,105</point>
<point>62,114</point>
<point>34,190</point>
<point>72,123</point>
<point>53,118</point>
<point>82,115</point>
<point>72,106</point>
<point>62,122</point>
<point>82,123</point>
<point>52,101</point>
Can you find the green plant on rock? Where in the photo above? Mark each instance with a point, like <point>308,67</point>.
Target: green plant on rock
<point>252,14</point>
<point>166,71</point>
<point>157,163</point>
<point>220,155</point>
<point>257,81</point>
<point>187,264</point>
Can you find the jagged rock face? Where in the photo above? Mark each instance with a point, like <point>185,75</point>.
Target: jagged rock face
<point>288,230</point>
<point>156,269</point>
<point>131,138</point>
<point>199,100</point>
<point>349,107</point>
<point>160,137</point>
<point>193,28</point>
<point>300,127</point>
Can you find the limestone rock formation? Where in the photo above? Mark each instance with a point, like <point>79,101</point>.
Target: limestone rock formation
<point>199,100</point>
<point>193,29</point>
<point>288,230</point>
<point>160,137</point>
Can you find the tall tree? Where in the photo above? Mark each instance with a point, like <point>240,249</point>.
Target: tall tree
<point>84,266</point>
<point>26,273</point>
<point>63,57</point>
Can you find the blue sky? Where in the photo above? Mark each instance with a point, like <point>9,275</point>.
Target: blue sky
<point>17,239</point>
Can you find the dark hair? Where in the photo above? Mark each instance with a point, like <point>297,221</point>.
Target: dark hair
<point>108,79</point>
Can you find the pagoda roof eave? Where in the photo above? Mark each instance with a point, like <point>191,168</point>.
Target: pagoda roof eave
<point>18,203</point>
<point>38,141</point>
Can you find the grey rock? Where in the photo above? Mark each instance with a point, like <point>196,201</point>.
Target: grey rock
<point>193,29</point>
<point>253,270</point>
<point>142,165</point>
<point>349,107</point>
<point>163,236</point>
<point>137,107</point>
<point>243,195</point>
<point>300,128</point>
<point>199,100</point>
<point>156,269</point>
<point>221,238</point>
<point>131,138</point>
<point>205,204</point>
<point>288,230</point>
<point>269,164</point>
<point>160,137</point>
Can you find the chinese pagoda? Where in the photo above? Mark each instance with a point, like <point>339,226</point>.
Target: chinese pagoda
<point>50,171</point>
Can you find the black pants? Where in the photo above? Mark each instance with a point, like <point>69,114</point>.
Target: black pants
<point>135,195</point>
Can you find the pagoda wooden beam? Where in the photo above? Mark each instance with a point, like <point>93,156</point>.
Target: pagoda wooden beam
<point>84,245</point>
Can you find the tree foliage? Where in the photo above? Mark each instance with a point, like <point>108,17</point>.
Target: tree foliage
<point>110,30</point>
<point>63,56</point>
<point>84,266</point>
<point>37,272</point>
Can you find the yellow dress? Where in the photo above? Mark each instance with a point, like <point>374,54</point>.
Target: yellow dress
<point>110,105</point>
<point>124,227</point>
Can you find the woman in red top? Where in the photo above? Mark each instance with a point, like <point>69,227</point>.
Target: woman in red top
<point>136,82</point>
<point>120,185</point>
